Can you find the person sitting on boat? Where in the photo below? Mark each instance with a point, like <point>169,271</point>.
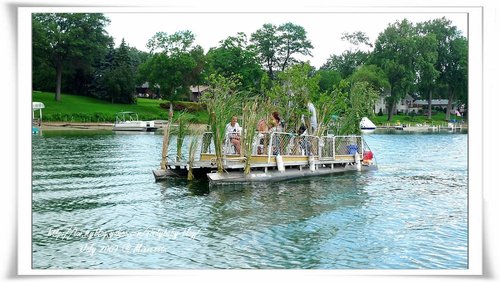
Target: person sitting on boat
<point>262,128</point>
<point>233,132</point>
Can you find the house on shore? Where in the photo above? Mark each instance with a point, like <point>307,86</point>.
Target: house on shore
<point>144,91</point>
<point>196,92</point>
<point>403,106</point>
<point>408,105</point>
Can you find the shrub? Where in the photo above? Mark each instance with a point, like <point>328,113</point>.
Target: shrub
<point>189,107</point>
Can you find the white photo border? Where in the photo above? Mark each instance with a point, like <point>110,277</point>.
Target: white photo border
<point>475,133</point>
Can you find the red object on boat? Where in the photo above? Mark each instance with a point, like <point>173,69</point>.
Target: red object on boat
<point>367,156</point>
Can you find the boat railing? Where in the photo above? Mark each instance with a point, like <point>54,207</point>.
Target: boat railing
<point>290,144</point>
<point>347,145</point>
<point>269,144</point>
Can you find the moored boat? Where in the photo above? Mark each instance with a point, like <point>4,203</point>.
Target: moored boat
<point>366,125</point>
<point>129,121</point>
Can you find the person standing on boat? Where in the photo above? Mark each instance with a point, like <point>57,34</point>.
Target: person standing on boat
<point>276,123</point>
<point>233,132</point>
<point>276,126</point>
<point>311,126</point>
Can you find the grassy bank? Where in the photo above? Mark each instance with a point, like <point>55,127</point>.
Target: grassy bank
<point>73,108</point>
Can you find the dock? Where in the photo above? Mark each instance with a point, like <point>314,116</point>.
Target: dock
<point>275,156</point>
<point>446,127</point>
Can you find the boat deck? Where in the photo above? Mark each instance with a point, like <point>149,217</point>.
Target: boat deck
<point>301,156</point>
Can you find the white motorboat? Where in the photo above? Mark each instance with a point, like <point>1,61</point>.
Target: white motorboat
<point>129,121</point>
<point>366,125</point>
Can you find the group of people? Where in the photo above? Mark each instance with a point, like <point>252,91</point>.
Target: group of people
<point>233,129</point>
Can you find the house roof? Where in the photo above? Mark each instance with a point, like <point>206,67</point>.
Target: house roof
<point>146,85</point>
<point>198,88</point>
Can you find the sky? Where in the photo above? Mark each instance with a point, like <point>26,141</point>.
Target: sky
<point>324,30</point>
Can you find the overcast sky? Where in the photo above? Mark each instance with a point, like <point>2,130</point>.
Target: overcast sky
<point>324,30</point>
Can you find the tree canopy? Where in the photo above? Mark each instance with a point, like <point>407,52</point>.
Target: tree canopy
<point>277,46</point>
<point>175,64</point>
<point>427,60</point>
<point>234,57</point>
<point>68,39</point>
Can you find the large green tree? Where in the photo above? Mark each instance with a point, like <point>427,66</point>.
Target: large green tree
<point>114,79</point>
<point>451,60</point>
<point>394,53</point>
<point>174,65</point>
<point>425,65</point>
<point>456,76</point>
<point>68,40</point>
<point>233,57</point>
<point>347,62</point>
<point>374,76</point>
<point>328,79</point>
<point>277,46</point>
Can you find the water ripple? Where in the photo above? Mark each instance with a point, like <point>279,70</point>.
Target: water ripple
<point>410,214</point>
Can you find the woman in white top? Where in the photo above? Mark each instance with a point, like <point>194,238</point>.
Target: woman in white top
<point>233,132</point>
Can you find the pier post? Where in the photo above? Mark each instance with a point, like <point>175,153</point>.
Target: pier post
<point>357,161</point>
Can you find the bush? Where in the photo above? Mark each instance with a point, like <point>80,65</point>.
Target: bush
<point>190,107</point>
<point>380,113</point>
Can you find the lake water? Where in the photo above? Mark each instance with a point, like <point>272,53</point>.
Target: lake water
<point>96,206</point>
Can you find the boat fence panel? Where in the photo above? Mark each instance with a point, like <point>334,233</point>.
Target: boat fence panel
<point>289,144</point>
<point>348,145</point>
<point>327,145</point>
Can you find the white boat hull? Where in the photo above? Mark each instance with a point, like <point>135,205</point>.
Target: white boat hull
<point>366,125</point>
<point>135,126</point>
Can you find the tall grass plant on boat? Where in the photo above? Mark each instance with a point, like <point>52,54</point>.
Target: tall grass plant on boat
<point>223,101</point>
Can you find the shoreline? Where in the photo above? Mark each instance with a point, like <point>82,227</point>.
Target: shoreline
<point>56,126</point>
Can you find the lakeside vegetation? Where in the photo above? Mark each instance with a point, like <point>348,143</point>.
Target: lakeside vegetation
<point>74,108</point>
<point>72,53</point>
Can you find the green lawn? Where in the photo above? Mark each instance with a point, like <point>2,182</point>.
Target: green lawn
<point>73,108</point>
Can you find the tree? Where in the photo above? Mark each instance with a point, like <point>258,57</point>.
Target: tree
<point>394,54</point>
<point>232,57</point>
<point>374,76</point>
<point>178,42</point>
<point>456,76</point>
<point>295,87</point>
<point>114,79</point>
<point>328,79</point>
<point>347,63</point>
<point>351,102</point>
<point>451,59</point>
<point>175,66</point>
<point>277,46</point>
<point>425,62</point>
<point>62,40</point>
